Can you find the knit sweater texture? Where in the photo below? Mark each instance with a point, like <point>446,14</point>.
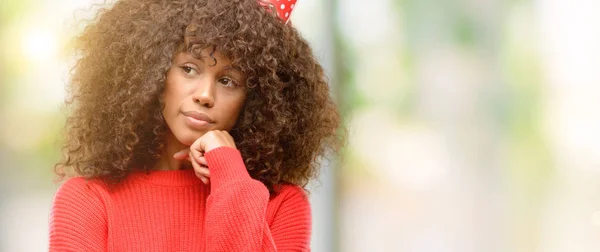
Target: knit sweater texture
<point>175,211</point>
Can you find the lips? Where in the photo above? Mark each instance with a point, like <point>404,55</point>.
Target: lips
<point>198,116</point>
<point>197,121</point>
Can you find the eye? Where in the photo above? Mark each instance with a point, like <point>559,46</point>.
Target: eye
<point>188,70</point>
<point>228,82</point>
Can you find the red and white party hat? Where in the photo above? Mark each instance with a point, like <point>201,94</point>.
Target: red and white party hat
<point>283,8</point>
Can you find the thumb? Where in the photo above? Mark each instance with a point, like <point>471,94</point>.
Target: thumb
<point>182,154</point>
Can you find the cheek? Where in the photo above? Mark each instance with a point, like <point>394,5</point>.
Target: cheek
<point>167,99</point>
<point>172,93</point>
<point>233,109</point>
<point>170,103</point>
<point>238,102</point>
<point>239,106</point>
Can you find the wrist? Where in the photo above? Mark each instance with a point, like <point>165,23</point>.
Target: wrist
<point>226,165</point>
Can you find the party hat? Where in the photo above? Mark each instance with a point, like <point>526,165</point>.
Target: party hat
<point>283,8</point>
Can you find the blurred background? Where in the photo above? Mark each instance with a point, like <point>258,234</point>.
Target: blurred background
<point>471,122</point>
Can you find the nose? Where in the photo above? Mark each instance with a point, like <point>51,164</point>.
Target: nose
<point>204,95</point>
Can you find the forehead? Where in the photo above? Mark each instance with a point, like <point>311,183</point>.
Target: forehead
<point>207,57</point>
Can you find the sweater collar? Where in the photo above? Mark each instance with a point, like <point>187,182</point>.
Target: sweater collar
<point>168,177</point>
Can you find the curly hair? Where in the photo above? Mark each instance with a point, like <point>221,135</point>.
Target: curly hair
<point>115,124</point>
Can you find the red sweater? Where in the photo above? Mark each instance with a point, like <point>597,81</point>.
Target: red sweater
<point>175,211</point>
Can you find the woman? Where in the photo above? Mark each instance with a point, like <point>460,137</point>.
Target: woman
<point>194,126</point>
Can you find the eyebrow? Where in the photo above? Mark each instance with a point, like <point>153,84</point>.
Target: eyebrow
<point>188,56</point>
<point>237,74</point>
<point>228,68</point>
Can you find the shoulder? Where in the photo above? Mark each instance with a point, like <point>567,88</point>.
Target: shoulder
<point>291,191</point>
<point>290,204</point>
<point>77,221</point>
<point>81,185</point>
<point>78,190</point>
<point>291,195</point>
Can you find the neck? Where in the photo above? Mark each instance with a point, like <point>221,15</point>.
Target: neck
<point>166,160</point>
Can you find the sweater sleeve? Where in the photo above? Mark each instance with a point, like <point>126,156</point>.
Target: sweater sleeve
<point>77,218</point>
<point>236,210</point>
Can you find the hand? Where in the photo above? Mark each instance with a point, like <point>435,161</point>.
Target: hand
<point>207,142</point>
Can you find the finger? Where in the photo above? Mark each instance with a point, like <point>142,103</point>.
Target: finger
<point>201,173</point>
<point>200,170</point>
<point>204,179</point>
<point>201,160</point>
<point>194,154</point>
<point>198,146</point>
<point>182,154</point>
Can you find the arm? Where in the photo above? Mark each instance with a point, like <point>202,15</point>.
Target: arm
<point>77,218</point>
<point>237,209</point>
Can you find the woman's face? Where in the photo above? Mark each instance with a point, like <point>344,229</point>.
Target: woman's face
<point>201,96</point>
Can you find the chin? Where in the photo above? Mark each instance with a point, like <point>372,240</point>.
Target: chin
<point>188,138</point>
<point>187,141</point>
